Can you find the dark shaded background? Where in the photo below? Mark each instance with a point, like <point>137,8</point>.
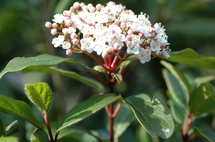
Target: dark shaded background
<point>188,23</point>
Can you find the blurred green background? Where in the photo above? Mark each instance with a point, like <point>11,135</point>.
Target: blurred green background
<point>188,23</point>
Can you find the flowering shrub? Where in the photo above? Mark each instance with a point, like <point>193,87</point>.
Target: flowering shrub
<point>114,37</point>
<point>110,31</point>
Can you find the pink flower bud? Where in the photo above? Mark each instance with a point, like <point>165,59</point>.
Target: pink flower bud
<point>54,25</point>
<point>72,8</point>
<point>69,52</point>
<point>67,13</point>
<point>130,31</point>
<point>141,35</point>
<point>82,4</point>
<point>117,21</point>
<point>92,9</point>
<point>76,5</point>
<point>98,6</point>
<point>123,25</point>
<point>85,8</point>
<point>75,41</point>
<point>73,36</point>
<point>159,53</point>
<point>53,31</point>
<point>48,25</point>
<point>128,38</point>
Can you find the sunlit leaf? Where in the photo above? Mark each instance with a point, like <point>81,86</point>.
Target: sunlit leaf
<point>20,108</point>
<point>192,58</point>
<point>177,84</point>
<point>86,80</point>
<point>43,63</point>
<point>85,109</point>
<point>40,94</point>
<point>202,79</point>
<point>13,128</point>
<point>20,63</point>
<point>9,139</point>
<point>39,136</point>
<point>202,99</point>
<point>154,116</point>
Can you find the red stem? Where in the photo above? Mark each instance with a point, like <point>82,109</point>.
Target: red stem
<point>97,60</point>
<point>111,111</point>
<point>186,128</point>
<point>45,115</point>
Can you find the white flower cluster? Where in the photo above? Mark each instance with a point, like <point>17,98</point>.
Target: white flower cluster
<point>107,30</point>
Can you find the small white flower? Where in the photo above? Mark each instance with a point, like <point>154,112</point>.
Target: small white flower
<point>87,44</point>
<point>144,55</point>
<point>58,18</point>
<point>133,46</point>
<point>66,45</point>
<point>57,41</point>
<point>155,45</point>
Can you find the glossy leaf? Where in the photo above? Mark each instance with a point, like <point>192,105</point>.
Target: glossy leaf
<point>86,80</point>
<point>154,116</point>
<point>177,84</point>
<point>190,57</point>
<point>13,128</point>
<point>76,134</point>
<point>39,136</point>
<point>144,136</point>
<point>9,139</point>
<point>123,120</point>
<point>207,134</point>
<point>20,63</point>
<point>2,129</point>
<point>202,99</point>
<point>40,94</point>
<point>20,108</point>
<point>85,109</point>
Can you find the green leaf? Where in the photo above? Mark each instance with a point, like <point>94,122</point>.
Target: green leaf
<point>20,108</point>
<point>202,99</point>
<point>190,57</point>
<point>39,136</point>
<point>13,128</point>
<point>177,84</point>
<point>124,118</point>
<point>40,94</point>
<point>144,136</point>
<point>124,64</point>
<point>20,63</point>
<point>207,134</point>
<point>177,111</point>
<point>9,139</point>
<point>154,116</point>
<point>86,80</point>
<point>206,79</point>
<point>85,109</point>
<point>44,63</point>
<point>2,129</point>
<point>76,134</point>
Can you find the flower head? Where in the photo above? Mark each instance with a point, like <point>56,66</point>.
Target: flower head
<point>109,31</point>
